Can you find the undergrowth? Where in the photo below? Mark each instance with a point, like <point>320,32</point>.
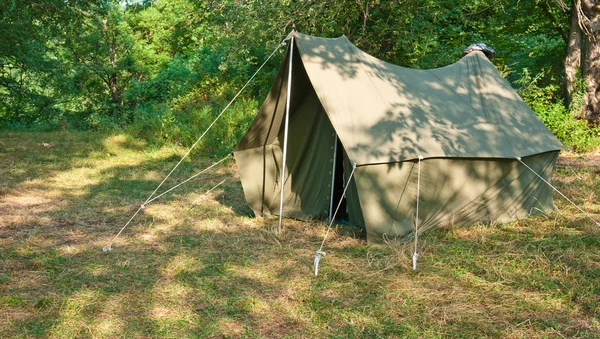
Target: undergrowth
<point>577,134</point>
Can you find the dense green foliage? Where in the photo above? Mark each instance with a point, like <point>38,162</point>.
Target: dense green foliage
<point>164,70</point>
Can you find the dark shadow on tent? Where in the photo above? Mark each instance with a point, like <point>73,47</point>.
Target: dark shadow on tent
<point>339,184</point>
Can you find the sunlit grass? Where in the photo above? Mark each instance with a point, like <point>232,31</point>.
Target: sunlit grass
<point>198,265</point>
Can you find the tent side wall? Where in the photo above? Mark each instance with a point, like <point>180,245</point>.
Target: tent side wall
<point>453,192</point>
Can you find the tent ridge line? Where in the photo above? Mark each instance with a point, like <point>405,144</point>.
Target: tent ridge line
<point>344,37</point>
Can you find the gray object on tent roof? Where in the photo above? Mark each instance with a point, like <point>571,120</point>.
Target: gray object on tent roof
<point>464,119</point>
<point>487,50</point>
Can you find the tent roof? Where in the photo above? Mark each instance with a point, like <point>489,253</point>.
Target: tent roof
<point>385,113</point>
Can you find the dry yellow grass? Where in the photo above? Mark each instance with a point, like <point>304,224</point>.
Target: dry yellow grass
<point>210,270</point>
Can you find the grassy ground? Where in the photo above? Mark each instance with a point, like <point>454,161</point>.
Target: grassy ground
<point>211,270</point>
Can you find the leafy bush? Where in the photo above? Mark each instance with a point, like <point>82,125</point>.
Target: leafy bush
<point>573,133</point>
<point>159,123</point>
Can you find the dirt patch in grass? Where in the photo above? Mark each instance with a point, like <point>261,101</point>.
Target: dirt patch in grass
<point>587,162</point>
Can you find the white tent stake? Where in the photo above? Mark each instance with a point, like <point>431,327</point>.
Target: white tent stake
<point>285,133</point>
<point>415,255</point>
<point>320,252</point>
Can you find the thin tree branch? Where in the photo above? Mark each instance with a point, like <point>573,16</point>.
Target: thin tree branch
<point>552,19</point>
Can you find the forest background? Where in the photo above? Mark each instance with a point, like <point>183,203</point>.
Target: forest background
<point>163,70</point>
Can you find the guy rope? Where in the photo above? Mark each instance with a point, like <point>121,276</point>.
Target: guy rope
<point>152,198</point>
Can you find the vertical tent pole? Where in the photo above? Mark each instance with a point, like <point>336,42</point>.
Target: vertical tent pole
<point>333,178</point>
<point>285,132</point>
<point>415,255</point>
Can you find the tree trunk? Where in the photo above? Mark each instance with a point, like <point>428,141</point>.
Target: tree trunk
<point>591,109</point>
<point>573,58</point>
<point>113,80</point>
<point>114,94</point>
<point>590,18</point>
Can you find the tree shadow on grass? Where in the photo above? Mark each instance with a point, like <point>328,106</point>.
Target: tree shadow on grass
<point>211,271</point>
<point>220,279</point>
<point>30,156</point>
<point>232,196</point>
<point>542,270</point>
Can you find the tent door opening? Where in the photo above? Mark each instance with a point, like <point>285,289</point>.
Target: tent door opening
<point>339,184</point>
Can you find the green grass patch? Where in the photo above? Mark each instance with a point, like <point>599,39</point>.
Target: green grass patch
<point>195,265</point>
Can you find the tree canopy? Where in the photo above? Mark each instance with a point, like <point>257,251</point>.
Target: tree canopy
<point>164,69</point>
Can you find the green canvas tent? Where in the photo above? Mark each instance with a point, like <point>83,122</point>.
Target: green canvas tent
<point>347,107</point>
